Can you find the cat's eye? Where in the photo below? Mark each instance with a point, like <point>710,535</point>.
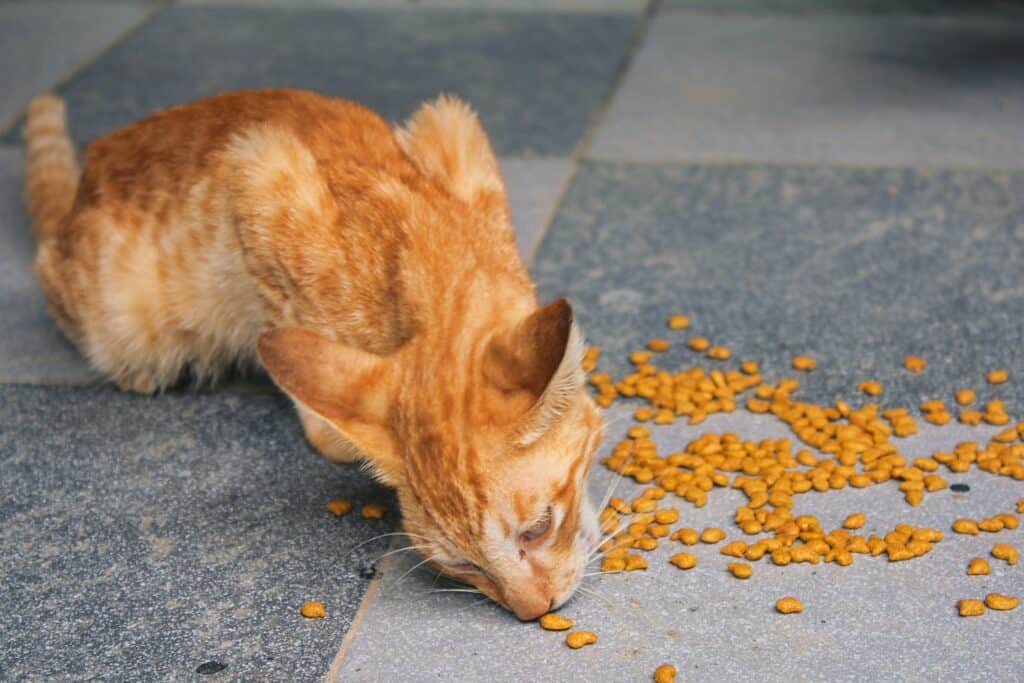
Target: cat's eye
<point>538,529</point>
<point>467,567</point>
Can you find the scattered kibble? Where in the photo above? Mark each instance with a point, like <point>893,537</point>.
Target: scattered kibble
<point>666,673</point>
<point>699,343</point>
<point>373,511</point>
<point>712,535</point>
<point>914,363</point>
<point>678,322</point>
<point>789,605</point>
<point>970,607</point>
<point>740,570</point>
<point>996,376</point>
<point>1005,551</point>
<point>684,560</point>
<point>978,566</point>
<point>1001,602</point>
<point>578,639</point>
<point>805,363</point>
<point>339,506</point>
<point>854,521</point>
<point>719,352</point>
<point>966,526</point>
<point>634,562</point>
<point>870,387</point>
<point>965,397</point>
<point>313,610</point>
<point>555,622</point>
<point>658,345</point>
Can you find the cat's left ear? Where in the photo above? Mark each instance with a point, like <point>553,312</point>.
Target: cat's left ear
<point>537,368</point>
<point>347,387</point>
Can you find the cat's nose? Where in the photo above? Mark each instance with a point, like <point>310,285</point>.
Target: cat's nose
<point>533,607</point>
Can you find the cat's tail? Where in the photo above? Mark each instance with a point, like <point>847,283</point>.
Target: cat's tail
<point>51,172</point>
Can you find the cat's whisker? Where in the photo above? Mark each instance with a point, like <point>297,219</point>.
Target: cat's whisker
<point>456,590</point>
<point>403,549</point>
<point>416,566</point>
<point>377,538</point>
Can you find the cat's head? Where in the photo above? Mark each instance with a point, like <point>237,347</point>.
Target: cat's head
<point>488,447</point>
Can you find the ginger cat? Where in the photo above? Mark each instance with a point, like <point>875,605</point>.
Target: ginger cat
<point>374,274</point>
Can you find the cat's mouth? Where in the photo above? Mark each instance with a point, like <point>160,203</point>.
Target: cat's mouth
<point>526,607</point>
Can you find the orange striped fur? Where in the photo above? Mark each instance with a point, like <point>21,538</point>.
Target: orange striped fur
<point>373,272</point>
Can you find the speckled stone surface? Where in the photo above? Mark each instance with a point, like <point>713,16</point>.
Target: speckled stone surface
<point>832,88</point>
<point>852,6</point>
<point>855,267</point>
<point>536,78</point>
<point>502,5</point>
<point>143,537</point>
<point>873,620</point>
<point>43,42</point>
<point>32,348</point>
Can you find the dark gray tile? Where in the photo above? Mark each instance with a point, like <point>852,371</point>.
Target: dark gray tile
<point>853,6</point>
<point>503,5</point>
<point>856,267</point>
<point>533,186</point>
<point>873,620</point>
<point>146,536</point>
<point>32,349</point>
<point>535,78</point>
<point>42,42</point>
<point>831,88</point>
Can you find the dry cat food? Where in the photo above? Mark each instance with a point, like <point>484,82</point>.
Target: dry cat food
<point>1001,602</point>
<point>339,506</point>
<point>804,363</point>
<point>373,511</point>
<point>313,610</point>
<point>789,605</point>
<point>666,673</point>
<point>1005,551</point>
<point>914,363</point>
<point>970,607</point>
<point>684,560</point>
<point>740,570</point>
<point>578,639</point>
<point>978,566</point>
<point>555,622</point>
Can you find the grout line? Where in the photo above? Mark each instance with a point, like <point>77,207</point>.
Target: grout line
<point>852,165</point>
<point>368,597</point>
<point>579,150</point>
<point>75,71</point>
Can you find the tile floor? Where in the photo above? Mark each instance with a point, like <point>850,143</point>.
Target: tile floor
<point>841,178</point>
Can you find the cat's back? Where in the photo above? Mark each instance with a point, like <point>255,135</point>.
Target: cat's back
<point>174,148</point>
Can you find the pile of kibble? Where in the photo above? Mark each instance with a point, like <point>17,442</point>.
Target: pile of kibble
<point>832,447</point>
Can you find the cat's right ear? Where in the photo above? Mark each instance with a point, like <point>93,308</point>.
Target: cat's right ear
<point>348,387</point>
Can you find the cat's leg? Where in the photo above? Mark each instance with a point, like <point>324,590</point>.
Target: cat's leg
<point>325,438</point>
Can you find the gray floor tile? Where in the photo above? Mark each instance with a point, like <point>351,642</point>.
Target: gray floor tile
<point>854,6</point>
<point>873,620</point>
<point>536,78</point>
<point>42,42</point>
<point>32,349</point>
<point>856,267</point>
<point>503,5</point>
<point>146,536</point>
<point>533,186</point>
<point>825,88</point>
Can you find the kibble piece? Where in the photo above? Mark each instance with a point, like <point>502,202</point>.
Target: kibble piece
<point>634,562</point>
<point>996,376</point>
<point>339,506</point>
<point>699,343</point>
<point>578,639</point>
<point>914,363</point>
<point>712,535</point>
<point>854,521</point>
<point>740,570</point>
<point>971,417</point>
<point>373,511</point>
<point>1001,602</point>
<point>789,605</point>
<point>970,607</point>
<point>678,321</point>
<point>666,516</point>
<point>734,549</point>
<point>645,543</point>
<point>658,345</point>
<point>666,673</point>
<point>965,397</point>
<point>805,363</point>
<point>313,610</point>
<point>555,622</point>
<point>749,367</point>
<point>684,560</point>
<point>978,566</point>
<point>685,536</point>
<point>613,564</point>
<point>966,526</point>
<point>992,524</point>
<point>1005,551</point>
<point>1020,506</point>
<point>719,352</point>
<point>870,387</point>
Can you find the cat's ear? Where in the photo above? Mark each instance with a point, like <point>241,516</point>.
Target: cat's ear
<point>446,142</point>
<point>343,385</point>
<point>537,366</point>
